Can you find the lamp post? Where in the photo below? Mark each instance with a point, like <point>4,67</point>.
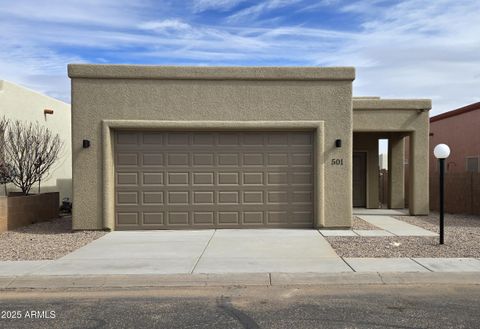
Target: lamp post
<point>441,152</point>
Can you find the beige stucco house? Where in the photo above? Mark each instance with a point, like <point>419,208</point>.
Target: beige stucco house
<point>158,147</point>
<point>20,103</point>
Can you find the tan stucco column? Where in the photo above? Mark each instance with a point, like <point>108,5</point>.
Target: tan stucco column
<point>418,172</point>
<point>396,171</point>
<point>372,174</point>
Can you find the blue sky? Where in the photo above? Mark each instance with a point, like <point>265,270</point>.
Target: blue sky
<point>412,48</point>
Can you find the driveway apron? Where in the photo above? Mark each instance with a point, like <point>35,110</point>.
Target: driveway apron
<point>201,251</point>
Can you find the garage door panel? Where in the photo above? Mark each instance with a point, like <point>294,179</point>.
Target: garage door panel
<point>277,159</point>
<point>228,218</point>
<point>203,218</point>
<point>253,178</point>
<point>178,159</point>
<point>127,159</point>
<point>152,178</point>
<point>153,218</point>
<point>203,159</point>
<point>174,180</point>
<point>178,139</point>
<point>253,197</point>
<point>203,178</point>
<point>203,197</point>
<point>127,198</point>
<point>178,198</point>
<point>178,178</point>
<point>127,178</point>
<point>228,159</point>
<point>253,159</point>
<point>228,178</point>
<point>127,218</point>
<point>152,138</point>
<point>277,217</point>
<point>228,139</point>
<point>127,138</point>
<point>178,218</point>
<point>152,198</point>
<point>153,159</point>
<point>300,139</point>
<point>277,178</point>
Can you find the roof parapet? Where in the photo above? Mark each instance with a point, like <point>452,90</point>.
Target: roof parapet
<point>98,71</point>
<point>392,104</point>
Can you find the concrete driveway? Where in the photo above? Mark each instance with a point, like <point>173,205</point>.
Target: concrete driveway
<point>208,251</point>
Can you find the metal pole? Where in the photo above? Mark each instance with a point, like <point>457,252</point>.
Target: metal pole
<point>442,205</point>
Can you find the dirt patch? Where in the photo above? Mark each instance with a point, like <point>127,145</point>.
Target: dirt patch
<point>47,240</point>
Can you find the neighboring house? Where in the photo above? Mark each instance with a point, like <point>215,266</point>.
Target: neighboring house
<point>20,103</point>
<point>460,130</point>
<point>158,147</point>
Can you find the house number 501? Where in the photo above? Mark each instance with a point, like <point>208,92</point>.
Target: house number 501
<point>337,162</point>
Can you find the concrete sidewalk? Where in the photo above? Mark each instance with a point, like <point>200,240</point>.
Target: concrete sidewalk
<point>243,279</point>
<point>395,226</point>
<point>388,226</point>
<point>241,265</point>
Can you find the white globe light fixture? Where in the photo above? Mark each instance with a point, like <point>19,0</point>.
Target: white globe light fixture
<point>441,151</point>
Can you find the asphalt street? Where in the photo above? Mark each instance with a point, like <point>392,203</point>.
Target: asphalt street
<point>346,306</point>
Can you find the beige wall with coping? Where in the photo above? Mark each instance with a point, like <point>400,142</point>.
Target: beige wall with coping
<point>190,94</point>
<point>21,210</point>
<point>407,117</point>
<point>20,103</point>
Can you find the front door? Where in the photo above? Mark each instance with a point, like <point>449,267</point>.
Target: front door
<point>359,179</point>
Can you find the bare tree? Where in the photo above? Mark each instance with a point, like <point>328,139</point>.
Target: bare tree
<point>6,175</point>
<point>30,150</point>
<point>5,169</point>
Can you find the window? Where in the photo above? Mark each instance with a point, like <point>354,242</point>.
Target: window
<point>472,164</point>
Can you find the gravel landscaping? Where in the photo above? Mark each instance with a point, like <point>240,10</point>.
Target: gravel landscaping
<point>46,240</point>
<point>462,239</point>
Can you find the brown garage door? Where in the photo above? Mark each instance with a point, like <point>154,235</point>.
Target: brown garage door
<point>192,180</point>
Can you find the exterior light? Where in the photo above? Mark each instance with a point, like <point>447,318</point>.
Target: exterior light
<point>338,143</point>
<point>441,152</point>
<point>86,143</point>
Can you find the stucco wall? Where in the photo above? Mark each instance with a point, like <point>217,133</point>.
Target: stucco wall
<point>221,94</point>
<point>19,103</point>
<point>21,210</point>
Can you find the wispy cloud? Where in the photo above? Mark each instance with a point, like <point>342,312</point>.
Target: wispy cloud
<point>418,49</point>
<point>410,48</point>
<point>222,5</point>
<point>165,25</point>
<point>254,11</point>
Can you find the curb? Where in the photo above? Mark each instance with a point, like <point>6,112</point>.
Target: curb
<point>244,279</point>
